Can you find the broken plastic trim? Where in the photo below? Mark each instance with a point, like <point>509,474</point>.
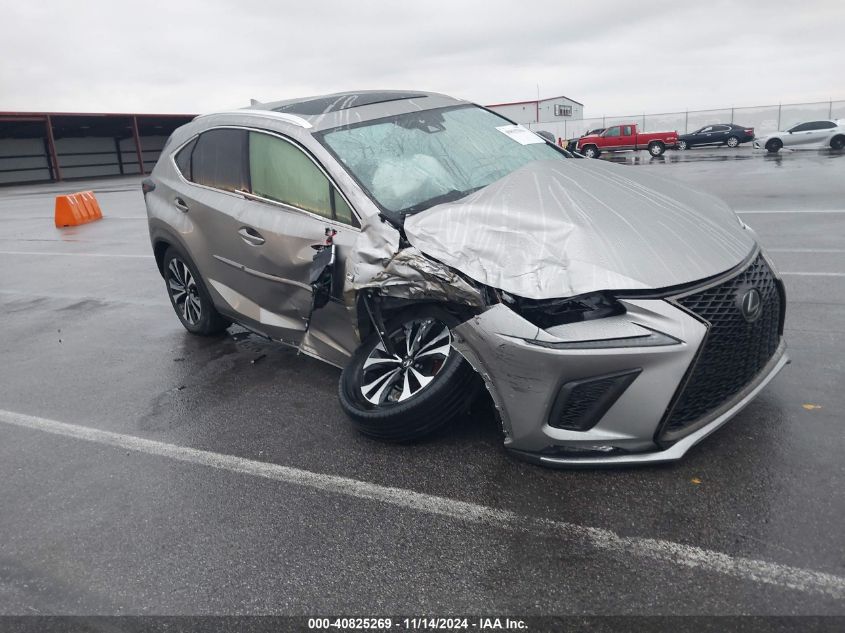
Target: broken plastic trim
<point>372,303</point>
<point>546,313</point>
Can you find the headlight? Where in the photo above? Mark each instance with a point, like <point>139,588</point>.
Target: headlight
<point>546,313</point>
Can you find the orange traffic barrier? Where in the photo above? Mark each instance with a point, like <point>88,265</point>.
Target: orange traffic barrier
<point>77,208</point>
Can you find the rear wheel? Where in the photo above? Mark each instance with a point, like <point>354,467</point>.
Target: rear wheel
<point>591,151</point>
<point>837,142</point>
<point>732,141</point>
<point>189,296</point>
<point>656,148</point>
<point>418,388</point>
<point>774,146</point>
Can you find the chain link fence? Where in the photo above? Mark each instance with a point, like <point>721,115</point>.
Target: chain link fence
<point>764,119</point>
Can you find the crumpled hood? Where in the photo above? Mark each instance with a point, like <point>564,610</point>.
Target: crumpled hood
<point>561,228</point>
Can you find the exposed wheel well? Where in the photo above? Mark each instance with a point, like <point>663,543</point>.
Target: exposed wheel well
<point>159,249</point>
<point>389,306</point>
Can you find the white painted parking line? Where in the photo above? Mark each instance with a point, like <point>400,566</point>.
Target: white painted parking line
<point>756,211</point>
<point>49,254</point>
<point>658,550</point>
<point>805,250</point>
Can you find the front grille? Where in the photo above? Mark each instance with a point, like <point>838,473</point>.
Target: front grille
<point>734,350</point>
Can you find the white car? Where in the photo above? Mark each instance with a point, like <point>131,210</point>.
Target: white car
<point>810,135</point>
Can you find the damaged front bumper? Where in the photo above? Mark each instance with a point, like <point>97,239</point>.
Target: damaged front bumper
<point>594,393</point>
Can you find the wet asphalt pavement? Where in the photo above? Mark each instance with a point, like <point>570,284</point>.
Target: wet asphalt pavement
<point>89,339</point>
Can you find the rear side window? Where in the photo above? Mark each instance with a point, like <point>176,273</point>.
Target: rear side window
<point>627,131</point>
<point>183,159</point>
<point>282,172</point>
<point>219,160</point>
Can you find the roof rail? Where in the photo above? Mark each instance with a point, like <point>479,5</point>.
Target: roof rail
<point>270,114</point>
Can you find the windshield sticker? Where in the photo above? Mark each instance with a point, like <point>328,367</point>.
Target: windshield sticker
<point>520,134</point>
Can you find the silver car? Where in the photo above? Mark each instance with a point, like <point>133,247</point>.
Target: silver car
<point>431,248</point>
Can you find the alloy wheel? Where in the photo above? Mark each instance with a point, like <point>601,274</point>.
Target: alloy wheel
<point>733,141</point>
<point>682,145</point>
<point>420,350</point>
<point>184,291</point>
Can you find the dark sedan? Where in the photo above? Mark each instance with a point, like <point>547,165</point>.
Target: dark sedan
<point>717,134</point>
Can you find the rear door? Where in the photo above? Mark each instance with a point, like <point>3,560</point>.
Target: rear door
<point>215,164</point>
<point>820,132</point>
<point>720,133</point>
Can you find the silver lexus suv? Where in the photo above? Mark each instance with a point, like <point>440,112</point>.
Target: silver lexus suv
<point>430,248</point>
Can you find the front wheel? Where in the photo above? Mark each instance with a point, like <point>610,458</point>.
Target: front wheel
<point>774,146</point>
<point>682,145</point>
<point>591,151</point>
<point>732,141</point>
<point>419,387</point>
<point>189,297</point>
<point>656,148</point>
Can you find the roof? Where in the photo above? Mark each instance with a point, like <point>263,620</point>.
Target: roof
<point>342,108</point>
<point>494,105</point>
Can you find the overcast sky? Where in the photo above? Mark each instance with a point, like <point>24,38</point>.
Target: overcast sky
<point>615,57</point>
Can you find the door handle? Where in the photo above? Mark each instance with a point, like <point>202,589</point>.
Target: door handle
<point>180,204</point>
<point>250,236</point>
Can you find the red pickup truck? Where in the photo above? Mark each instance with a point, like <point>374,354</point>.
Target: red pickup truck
<point>617,138</point>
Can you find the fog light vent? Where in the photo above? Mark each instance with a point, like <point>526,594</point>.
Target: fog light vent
<point>580,404</point>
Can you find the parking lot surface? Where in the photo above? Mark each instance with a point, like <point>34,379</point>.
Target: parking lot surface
<point>145,470</point>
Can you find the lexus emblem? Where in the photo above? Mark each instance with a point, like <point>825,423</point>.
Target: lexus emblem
<point>751,305</point>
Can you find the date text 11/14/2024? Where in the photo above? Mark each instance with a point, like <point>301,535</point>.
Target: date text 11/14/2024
<point>417,624</point>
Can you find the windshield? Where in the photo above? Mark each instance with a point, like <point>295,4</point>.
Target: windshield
<point>410,162</point>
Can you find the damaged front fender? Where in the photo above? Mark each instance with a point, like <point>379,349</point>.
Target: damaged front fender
<point>379,262</point>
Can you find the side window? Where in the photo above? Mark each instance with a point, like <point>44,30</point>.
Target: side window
<point>219,160</point>
<point>282,172</point>
<point>709,128</point>
<point>183,159</point>
<point>803,127</point>
<point>627,131</point>
<point>614,131</point>
<point>825,125</point>
<point>343,212</point>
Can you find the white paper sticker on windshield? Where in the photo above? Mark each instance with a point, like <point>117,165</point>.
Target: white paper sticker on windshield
<point>521,135</point>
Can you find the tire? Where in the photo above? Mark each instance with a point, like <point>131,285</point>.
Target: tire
<point>189,296</point>
<point>732,142</point>
<point>682,145</point>
<point>401,408</point>
<point>656,148</point>
<point>591,151</point>
<point>774,146</point>
<point>837,142</point>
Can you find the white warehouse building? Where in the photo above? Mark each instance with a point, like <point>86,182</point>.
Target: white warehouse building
<point>551,110</point>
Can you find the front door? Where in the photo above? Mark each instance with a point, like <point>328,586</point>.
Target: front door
<point>291,209</point>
